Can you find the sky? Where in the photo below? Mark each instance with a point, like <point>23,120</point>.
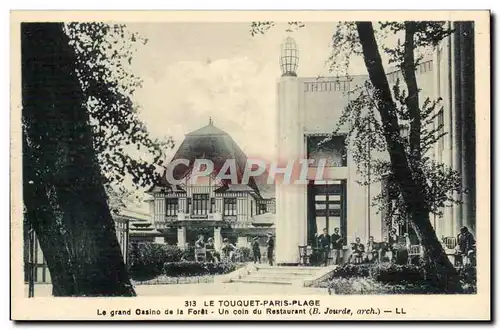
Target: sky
<point>194,71</point>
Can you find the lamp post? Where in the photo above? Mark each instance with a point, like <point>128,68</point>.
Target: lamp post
<point>368,193</point>
<point>31,262</point>
<point>289,59</point>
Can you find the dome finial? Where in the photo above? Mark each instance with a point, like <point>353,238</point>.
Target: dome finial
<point>210,121</point>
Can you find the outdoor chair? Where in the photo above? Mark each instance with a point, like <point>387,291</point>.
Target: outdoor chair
<point>450,242</point>
<point>303,255</point>
<point>357,259</point>
<point>414,251</point>
<point>449,245</point>
<point>200,255</point>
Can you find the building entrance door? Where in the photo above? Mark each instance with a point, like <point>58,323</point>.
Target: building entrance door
<point>327,208</point>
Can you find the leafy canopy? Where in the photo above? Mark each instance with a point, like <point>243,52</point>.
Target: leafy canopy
<point>125,150</point>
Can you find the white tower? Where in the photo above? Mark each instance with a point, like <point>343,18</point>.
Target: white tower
<point>290,198</point>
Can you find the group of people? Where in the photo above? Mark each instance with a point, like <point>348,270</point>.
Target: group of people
<point>330,244</point>
<point>228,250</point>
<point>331,247</point>
<point>392,248</point>
<point>211,253</point>
<point>269,249</point>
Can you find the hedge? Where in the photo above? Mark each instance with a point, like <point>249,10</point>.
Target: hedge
<point>147,259</point>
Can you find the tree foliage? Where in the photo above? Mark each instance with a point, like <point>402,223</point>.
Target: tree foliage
<point>64,198</point>
<point>125,150</point>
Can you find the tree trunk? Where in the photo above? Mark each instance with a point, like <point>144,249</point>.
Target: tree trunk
<point>62,187</point>
<point>440,269</point>
<point>412,102</point>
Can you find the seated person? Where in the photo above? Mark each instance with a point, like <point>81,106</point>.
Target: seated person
<point>358,250</point>
<point>372,248</point>
<point>227,249</point>
<point>384,251</point>
<point>212,254</point>
<point>199,244</point>
<point>400,250</point>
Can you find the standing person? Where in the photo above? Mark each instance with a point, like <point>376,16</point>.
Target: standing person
<point>465,245</point>
<point>337,242</point>
<point>324,245</point>
<point>256,250</point>
<point>270,248</point>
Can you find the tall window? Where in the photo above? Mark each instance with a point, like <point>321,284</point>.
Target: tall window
<point>230,206</point>
<point>212,205</point>
<point>200,204</point>
<point>331,149</point>
<point>172,206</point>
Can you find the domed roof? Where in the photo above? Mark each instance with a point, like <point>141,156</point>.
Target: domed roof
<point>211,143</point>
<point>207,130</point>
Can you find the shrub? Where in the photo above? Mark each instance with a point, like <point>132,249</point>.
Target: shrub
<point>367,285</point>
<point>147,259</point>
<point>191,268</point>
<point>393,273</point>
<point>383,272</point>
<point>352,270</point>
<point>188,254</point>
<point>246,254</point>
<point>468,279</point>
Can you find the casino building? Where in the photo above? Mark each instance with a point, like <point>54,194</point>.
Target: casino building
<point>308,111</point>
<point>209,206</point>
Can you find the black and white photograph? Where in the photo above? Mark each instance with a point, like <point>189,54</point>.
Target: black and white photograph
<point>252,158</point>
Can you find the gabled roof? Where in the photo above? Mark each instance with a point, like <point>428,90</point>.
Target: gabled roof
<point>211,143</point>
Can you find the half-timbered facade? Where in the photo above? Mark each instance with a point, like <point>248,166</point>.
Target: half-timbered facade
<point>206,205</point>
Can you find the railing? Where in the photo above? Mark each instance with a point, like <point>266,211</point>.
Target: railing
<point>326,86</point>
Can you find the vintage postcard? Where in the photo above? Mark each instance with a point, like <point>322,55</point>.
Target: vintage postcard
<point>171,165</point>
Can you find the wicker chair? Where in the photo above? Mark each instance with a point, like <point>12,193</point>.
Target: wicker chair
<point>200,255</point>
<point>304,255</point>
<point>414,251</point>
<point>449,245</point>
